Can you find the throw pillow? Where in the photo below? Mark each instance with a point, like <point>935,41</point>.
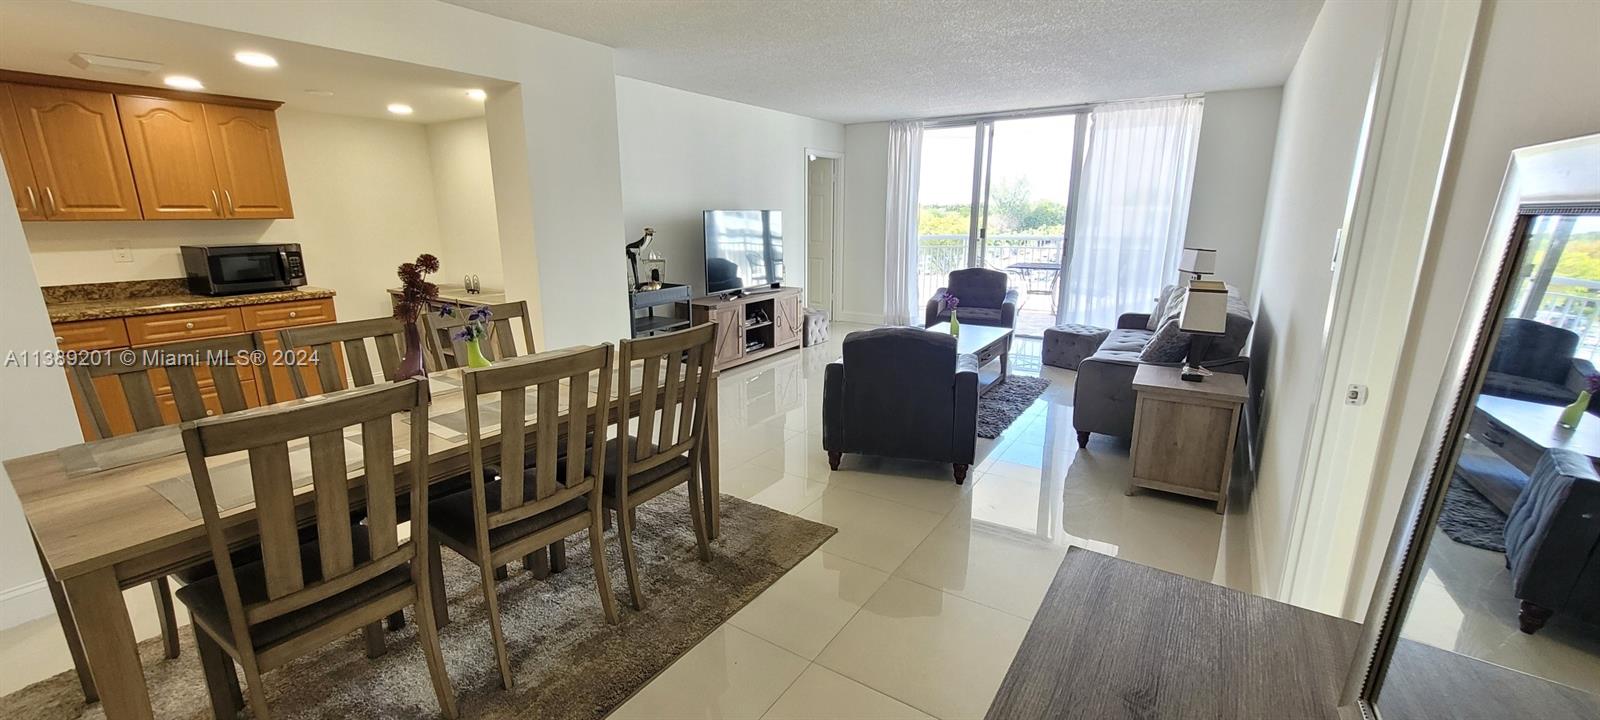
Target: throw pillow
<point>1168,346</point>
<point>1170,297</point>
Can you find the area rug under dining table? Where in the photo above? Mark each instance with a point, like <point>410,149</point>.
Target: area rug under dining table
<point>567,662</point>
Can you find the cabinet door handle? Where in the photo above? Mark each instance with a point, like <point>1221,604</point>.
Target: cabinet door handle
<point>33,200</point>
<point>216,203</point>
<point>293,314</point>
<point>229,197</point>
<point>50,200</point>
<point>188,326</point>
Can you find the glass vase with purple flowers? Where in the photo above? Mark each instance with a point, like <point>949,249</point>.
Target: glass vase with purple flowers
<point>473,334</point>
<point>951,302</point>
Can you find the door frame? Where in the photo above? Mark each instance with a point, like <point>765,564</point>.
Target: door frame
<point>834,264</point>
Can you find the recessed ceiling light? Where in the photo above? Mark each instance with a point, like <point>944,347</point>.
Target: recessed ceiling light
<point>256,59</point>
<point>478,94</point>
<point>183,82</point>
<point>400,108</point>
<point>319,93</point>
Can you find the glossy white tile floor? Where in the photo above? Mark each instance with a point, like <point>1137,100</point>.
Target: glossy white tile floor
<point>917,606</point>
<point>1465,605</point>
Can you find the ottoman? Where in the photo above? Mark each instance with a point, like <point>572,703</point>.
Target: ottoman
<point>816,327</point>
<point>1067,345</point>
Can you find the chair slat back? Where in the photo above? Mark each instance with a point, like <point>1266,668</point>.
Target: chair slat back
<point>500,345</point>
<point>676,369</point>
<point>387,335</point>
<point>266,436</point>
<point>137,374</point>
<point>561,382</point>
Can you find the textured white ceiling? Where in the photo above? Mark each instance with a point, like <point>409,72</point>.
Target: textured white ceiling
<point>861,60</point>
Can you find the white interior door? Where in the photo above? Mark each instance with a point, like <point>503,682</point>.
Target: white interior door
<point>819,232</point>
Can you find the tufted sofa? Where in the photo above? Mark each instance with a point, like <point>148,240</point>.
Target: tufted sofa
<point>1104,398</point>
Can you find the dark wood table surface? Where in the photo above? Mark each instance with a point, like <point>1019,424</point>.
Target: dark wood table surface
<point>1114,639</point>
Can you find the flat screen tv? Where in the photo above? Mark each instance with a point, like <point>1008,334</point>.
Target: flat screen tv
<point>744,250</point>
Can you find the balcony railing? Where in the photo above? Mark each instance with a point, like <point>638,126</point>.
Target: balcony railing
<point>1568,308</point>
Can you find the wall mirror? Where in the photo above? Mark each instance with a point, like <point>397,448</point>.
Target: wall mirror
<point>1489,605</point>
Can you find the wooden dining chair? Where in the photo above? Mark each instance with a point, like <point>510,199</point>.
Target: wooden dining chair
<point>298,598</point>
<point>662,455</point>
<point>326,342</point>
<point>512,516</point>
<point>500,345</point>
<point>138,373</point>
<point>137,377</point>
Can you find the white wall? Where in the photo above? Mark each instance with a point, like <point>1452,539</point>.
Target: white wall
<point>866,204</point>
<point>1232,166</point>
<point>1324,102</point>
<point>364,202</point>
<point>684,153</point>
<point>35,415</point>
<point>1537,58</point>
<point>463,191</point>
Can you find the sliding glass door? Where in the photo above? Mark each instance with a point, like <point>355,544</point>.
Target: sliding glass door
<point>996,194</point>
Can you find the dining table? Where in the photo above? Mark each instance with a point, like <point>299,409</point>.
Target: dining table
<point>114,514</point>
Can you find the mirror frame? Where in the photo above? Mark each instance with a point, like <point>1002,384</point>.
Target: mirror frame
<point>1552,178</point>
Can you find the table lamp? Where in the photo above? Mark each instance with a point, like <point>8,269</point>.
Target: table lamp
<point>1204,316</point>
<point>1198,262</point>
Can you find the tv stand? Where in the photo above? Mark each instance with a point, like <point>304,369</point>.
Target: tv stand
<point>756,325</point>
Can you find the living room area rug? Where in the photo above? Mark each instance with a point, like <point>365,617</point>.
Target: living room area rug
<point>1006,402</point>
<point>1470,519</point>
<point>567,662</point>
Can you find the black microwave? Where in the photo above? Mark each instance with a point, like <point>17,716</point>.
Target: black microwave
<point>234,269</point>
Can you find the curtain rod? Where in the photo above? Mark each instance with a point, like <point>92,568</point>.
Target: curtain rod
<point>1050,110</point>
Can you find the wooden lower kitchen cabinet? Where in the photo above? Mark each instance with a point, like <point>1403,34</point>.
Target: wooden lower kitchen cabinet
<point>262,385</point>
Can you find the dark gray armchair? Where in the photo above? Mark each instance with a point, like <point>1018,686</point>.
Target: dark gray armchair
<point>1534,361</point>
<point>1553,541</point>
<point>901,392</point>
<point>983,299</point>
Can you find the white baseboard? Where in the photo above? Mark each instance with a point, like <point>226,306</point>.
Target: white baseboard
<point>28,601</point>
<point>858,318</point>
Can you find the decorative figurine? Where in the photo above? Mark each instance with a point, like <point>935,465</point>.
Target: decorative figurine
<point>633,250</point>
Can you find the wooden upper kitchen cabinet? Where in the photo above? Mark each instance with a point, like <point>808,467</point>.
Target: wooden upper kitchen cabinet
<point>75,146</point>
<point>249,162</point>
<point>14,152</point>
<point>170,150</point>
<point>88,150</point>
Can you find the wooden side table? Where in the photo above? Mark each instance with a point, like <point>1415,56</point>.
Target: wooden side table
<point>1184,432</point>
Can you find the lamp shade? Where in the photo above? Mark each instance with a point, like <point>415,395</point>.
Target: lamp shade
<point>1205,309</point>
<point>1200,261</point>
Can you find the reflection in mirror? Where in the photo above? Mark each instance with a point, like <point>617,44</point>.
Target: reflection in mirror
<point>1507,600</point>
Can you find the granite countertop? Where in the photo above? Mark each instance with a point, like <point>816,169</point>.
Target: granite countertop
<point>100,301</point>
<point>457,293</point>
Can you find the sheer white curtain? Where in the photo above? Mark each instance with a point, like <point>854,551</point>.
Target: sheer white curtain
<point>1132,208</point>
<point>900,223</point>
